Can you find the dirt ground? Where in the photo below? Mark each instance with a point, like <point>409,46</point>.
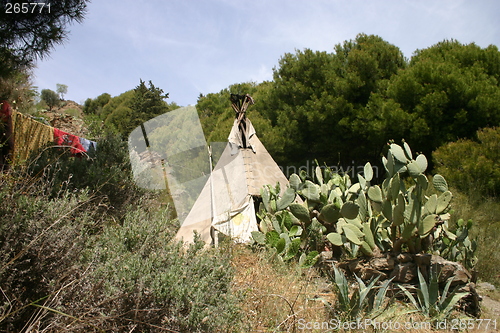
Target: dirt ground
<point>490,304</point>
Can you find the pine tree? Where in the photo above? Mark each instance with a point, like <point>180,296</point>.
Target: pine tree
<point>29,30</point>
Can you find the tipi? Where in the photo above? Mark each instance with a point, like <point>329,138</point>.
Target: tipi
<point>228,201</point>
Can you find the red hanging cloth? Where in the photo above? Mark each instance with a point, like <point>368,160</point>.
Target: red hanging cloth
<point>5,111</point>
<point>62,138</point>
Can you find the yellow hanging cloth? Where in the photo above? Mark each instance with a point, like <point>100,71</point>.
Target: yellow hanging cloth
<point>29,135</point>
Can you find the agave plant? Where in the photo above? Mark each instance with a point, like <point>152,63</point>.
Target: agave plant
<point>430,302</point>
<point>365,300</point>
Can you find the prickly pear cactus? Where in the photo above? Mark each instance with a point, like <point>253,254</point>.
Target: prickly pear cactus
<point>409,215</point>
<point>281,229</point>
<point>328,210</point>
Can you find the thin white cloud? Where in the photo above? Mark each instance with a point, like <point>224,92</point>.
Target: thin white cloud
<point>264,73</point>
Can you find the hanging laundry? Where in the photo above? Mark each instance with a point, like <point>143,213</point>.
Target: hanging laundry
<point>28,135</point>
<point>5,111</point>
<point>21,135</point>
<point>62,138</point>
<point>6,139</point>
<point>88,144</point>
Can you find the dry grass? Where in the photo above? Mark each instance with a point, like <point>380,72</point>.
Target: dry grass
<point>485,213</point>
<point>274,296</point>
<point>282,298</point>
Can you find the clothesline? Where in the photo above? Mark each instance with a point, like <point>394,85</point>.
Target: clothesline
<point>29,135</point>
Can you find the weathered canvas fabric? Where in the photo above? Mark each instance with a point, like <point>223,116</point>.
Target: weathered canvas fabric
<point>226,203</point>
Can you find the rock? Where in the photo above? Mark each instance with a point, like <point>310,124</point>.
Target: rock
<point>404,257</point>
<point>468,288</point>
<point>485,286</point>
<point>382,264</point>
<point>376,252</point>
<point>447,269</point>
<point>404,272</point>
<point>403,268</point>
<point>471,302</point>
<point>354,266</point>
<point>326,255</point>
<point>423,262</point>
<point>423,259</point>
<point>368,273</point>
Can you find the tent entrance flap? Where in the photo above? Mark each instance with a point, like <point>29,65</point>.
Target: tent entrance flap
<point>238,224</point>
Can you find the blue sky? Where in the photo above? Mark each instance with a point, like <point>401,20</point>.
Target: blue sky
<point>188,47</point>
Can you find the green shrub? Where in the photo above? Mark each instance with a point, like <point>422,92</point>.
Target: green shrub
<point>67,265</point>
<point>105,172</point>
<point>73,112</point>
<point>93,106</point>
<point>151,281</point>
<point>472,166</point>
<point>40,244</point>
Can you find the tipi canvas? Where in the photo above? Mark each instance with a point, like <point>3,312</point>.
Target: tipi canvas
<point>227,202</point>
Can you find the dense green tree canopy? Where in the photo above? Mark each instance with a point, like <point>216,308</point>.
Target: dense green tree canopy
<point>318,99</point>
<point>50,97</point>
<point>146,104</point>
<point>448,91</point>
<point>343,107</point>
<point>125,112</point>
<point>93,106</point>
<point>472,165</point>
